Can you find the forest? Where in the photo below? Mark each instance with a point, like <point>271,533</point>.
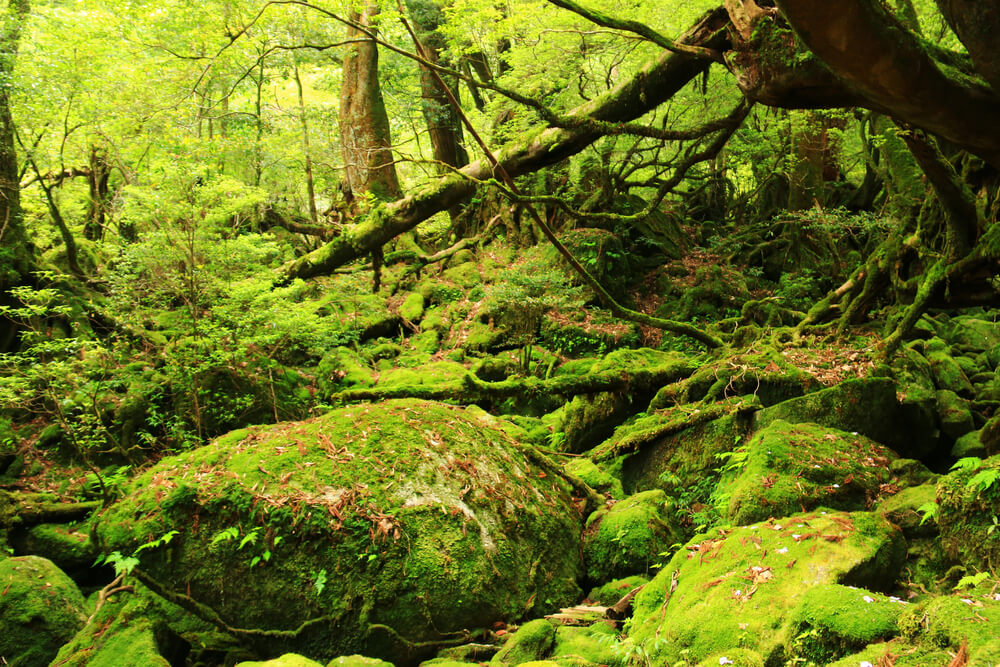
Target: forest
<point>477,332</point>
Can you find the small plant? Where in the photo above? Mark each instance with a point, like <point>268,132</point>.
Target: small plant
<point>972,580</point>
<point>928,511</point>
<point>319,581</point>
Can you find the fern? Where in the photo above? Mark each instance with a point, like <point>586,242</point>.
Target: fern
<point>971,581</point>
<point>928,511</point>
<point>967,463</point>
<point>983,480</point>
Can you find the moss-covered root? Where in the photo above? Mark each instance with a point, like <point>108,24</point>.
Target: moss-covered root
<point>40,610</point>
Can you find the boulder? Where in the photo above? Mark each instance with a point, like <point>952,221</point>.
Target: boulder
<point>787,468</point>
<point>532,641</point>
<point>369,530</point>
<point>629,537</point>
<point>732,589</point>
<point>40,610</point>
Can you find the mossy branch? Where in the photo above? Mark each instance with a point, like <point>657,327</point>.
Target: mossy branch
<point>470,388</point>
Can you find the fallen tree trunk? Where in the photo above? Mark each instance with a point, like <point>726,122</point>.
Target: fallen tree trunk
<point>650,87</point>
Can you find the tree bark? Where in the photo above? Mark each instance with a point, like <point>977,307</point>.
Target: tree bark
<point>364,126</point>
<point>650,87</point>
<point>977,24</point>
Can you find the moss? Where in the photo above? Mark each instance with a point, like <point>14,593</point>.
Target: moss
<point>597,477</point>
<point>593,644</point>
<point>969,501</point>
<point>971,333</point>
<point>342,368</point>
<point>948,374</point>
<point>629,537</point>
<point>954,414</point>
<point>737,657</point>
<point>868,406</point>
<point>789,468</point>
<point>944,622</point>
<point>969,444</point>
<point>911,472</point>
<point>295,660</point>
<point>901,652</point>
<point>735,589</point>
<point>465,275</point>
<point>437,372</point>
<point>40,610</point>
<point>832,621</point>
<point>613,591</point>
<point>436,319</point>
<point>532,641</point>
<point>903,510</point>
<point>412,308</point>
<point>422,518</point>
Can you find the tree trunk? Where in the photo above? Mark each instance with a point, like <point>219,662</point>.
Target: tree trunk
<point>364,126</point>
<point>16,252</point>
<point>97,206</point>
<point>310,183</point>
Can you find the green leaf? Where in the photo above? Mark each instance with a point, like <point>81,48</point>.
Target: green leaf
<point>967,463</point>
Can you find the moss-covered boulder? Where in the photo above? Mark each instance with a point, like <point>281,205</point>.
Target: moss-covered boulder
<point>969,500</point>
<point>67,546</point>
<point>381,526</point>
<point>796,467</point>
<point>736,589</point>
<point>947,372</point>
<point>629,537</point>
<point>532,641</point>
<point>973,334</point>
<point>295,660</point>
<point>593,644</point>
<point>970,616</point>
<point>868,406</point>
<point>343,368</point>
<point>954,414</point>
<point>832,621</point>
<point>40,610</point>
<point>601,478</point>
<point>357,661</point>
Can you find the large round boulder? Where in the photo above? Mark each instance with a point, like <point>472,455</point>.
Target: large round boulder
<point>373,529</point>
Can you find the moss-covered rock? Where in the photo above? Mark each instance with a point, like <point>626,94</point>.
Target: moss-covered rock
<point>989,435</point>
<point>973,334</point>
<point>67,546</point>
<point>737,657</point>
<point>613,591</point>
<point>833,620</point>
<point>598,477</point>
<point>532,641</point>
<point>397,521</point>
<point>967,445</point>
<point>948,374</point>
<point>593,644</point>
<point>40,610</point>
<point>945,622</point>
<point>868,406</point>
<point>412,308</point>
<point>735,589</point>
<point>357,661</point>
<point>904,510</point>
<point>630,536</point>
<point>900,652</point>
<point>296,660</point>
<point>969,500</point>
<point>795,467</point>
<point>954,413</point>
<point>343,368</point>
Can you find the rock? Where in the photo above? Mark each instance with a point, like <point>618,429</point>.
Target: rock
<point>341,369</point>
<point>956,418</point>
<point>868,406</point>
<point>468,653</point>
<point>595,476</point>
<point>787,468</point>
<point>295,660</point>
<point>398,521</point>
<point>969,444</point>
<point>971,615</point>
<point>901,654</point>
<point>628,538</point>
<point>832,621</point>
<point>973,334</point>
<point>736,589</point>
<point>904,510</point>
<point>948,374</point>
<point>608,594</point>
<point>989,435</point>
<point>40,610</point>
<point>68,547</point>
<point>357,661</point>
<point>532,641</point>
<point>911,472</point>
<point>969,501</point>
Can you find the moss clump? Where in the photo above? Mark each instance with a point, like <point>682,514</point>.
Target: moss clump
<point>596,476</point>
<point>947,373</point>
<point>969,501</point>
<point>901,654</point>
<point>295,660</point>
<point>613,591</point>
<point>903,509</point>
<point>592,644</point>
<point>945,622</point>
<point>954,414</point>
<point>788,468</point>
<point>398,521</point>
<point>40,610</point>
<point>532,641</point>
<point>341,369</point>
<point>832,621</point>
<point>412,308</point>
<point>69,548</point>
<point>735,589</point>
<point>738,657</point>
<point>628,538</point>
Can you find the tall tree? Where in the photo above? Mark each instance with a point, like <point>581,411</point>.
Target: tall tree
<point>364,125</point>
<point>16,254</point>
